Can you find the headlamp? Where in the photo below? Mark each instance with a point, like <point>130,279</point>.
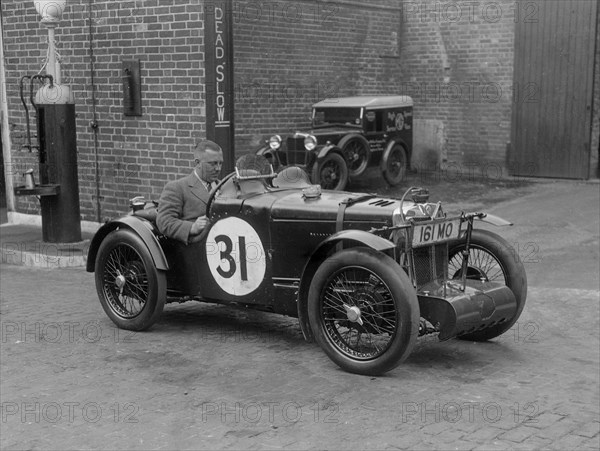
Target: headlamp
<point>275,142</point>
<point>310,142</point>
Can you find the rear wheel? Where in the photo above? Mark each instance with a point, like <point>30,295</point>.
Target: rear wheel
<point>130,288</point>
<point>331,172</point>
<point>363,311</point>
<point>395,165</point>
<point>493,259</point>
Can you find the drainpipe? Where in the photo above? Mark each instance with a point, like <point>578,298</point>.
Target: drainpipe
<point>94,121</point>
<point>6,142</point>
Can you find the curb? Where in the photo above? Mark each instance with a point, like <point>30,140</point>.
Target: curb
<point>21,245</point>
<point>24,219</point>
<point>45,255</point>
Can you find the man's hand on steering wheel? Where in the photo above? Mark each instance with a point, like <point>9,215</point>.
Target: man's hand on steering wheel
<point>213,194</point>
<point>199,225</point>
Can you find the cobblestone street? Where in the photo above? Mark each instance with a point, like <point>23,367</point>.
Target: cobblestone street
<point>214,377</point>
<point>386,172</point>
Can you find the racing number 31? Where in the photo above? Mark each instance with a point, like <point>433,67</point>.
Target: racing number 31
<point>235,256</point>
<point>226,255</point>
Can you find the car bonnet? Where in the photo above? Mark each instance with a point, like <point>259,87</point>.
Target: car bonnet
<point>296,207</point>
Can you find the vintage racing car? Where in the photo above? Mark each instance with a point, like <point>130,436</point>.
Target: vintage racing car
<point>349,134</point>
<point>365,275</point>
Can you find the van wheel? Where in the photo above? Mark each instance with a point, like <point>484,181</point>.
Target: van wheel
<point>331,172</point>
<point>395,165</point>
<point>357,153</point>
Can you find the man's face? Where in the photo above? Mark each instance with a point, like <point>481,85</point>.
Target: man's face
<point>209,164</point>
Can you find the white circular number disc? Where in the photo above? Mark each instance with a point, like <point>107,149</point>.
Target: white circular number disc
<point>235,256</point>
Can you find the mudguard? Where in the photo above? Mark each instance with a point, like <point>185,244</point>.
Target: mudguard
<point>143,228</point>
<point>352,236</point>
<point>271,155</point>
<point>368,239</point>
<point>494,220</point>
<point>264,150</point>
<point>481,305</point>
<point>326,149</point>
<point>342,143</point>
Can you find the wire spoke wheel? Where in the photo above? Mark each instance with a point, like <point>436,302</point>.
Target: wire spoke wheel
<point>359,313</point>
<point>363,311</point>
<point>491,259</point>
<point>125,281</point>
<point>131,290</point>
<point>481,265</point>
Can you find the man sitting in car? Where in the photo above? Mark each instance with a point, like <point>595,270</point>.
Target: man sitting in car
<point>182,204</point>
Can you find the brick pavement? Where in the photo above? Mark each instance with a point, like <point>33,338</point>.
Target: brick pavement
<point>210,377</point>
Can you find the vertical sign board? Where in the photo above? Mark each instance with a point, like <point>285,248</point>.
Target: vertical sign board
<point>218,44</point>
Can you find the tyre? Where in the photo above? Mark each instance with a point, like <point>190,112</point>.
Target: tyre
<point>331,172</point>
<point>363,311</point>
<point>395,165</point>
<point>494,259</point>
<point>130,288</point>
<point>357,152</point>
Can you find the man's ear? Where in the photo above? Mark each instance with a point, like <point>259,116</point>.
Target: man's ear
<point>197,161</point>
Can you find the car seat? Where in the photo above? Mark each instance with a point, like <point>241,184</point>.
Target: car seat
<point>292,177</point>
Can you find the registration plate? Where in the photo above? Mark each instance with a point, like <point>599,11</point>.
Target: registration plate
<point>435,232</point>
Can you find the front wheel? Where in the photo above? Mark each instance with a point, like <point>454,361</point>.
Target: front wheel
<point>131,290</point>
<point>331,172</point>
<point>492,259</point>
<point>363,311</point>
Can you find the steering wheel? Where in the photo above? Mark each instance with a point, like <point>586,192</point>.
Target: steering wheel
<point>214,191</point>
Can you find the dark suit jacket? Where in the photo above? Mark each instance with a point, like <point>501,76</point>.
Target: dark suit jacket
<point>181,203</point>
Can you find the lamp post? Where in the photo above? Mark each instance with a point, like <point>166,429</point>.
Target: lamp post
<point>51,12</point>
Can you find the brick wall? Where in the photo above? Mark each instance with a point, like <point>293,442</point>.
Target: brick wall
<point>454,58</point>
<point>595,151</point>
<point>136,155</point>
<point>457,64</point>
<point>288,55</point>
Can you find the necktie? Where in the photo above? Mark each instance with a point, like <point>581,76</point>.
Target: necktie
<point>207,185</point>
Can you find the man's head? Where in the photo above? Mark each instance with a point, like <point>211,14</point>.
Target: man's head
<point>208,157</point>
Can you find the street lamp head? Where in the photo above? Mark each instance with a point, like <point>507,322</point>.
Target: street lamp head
<point>50,10</point>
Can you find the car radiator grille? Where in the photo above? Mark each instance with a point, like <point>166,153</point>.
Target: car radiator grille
<point>296,154</point>
<point>430,263</point>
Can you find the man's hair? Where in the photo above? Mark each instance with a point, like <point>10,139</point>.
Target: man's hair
<point>206,146</point>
